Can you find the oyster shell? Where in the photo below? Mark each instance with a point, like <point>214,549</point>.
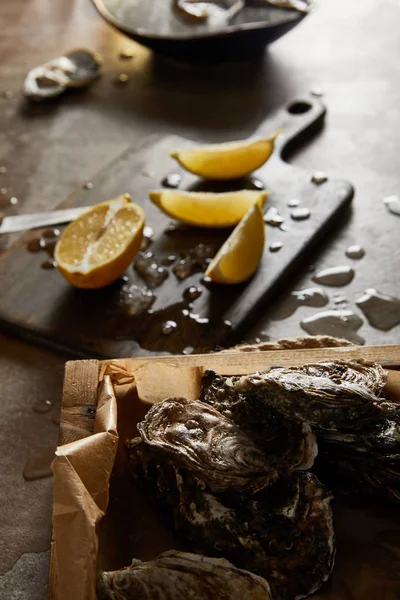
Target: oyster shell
<point>283,533</point>
<point>288,444</point>
<point>77,68</point>
<point>330,395</point>
<point>180,575</point>
<point>363,462</point>
<point>197,437</point>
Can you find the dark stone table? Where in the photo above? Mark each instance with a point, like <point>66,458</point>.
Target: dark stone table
<point>349,49</point>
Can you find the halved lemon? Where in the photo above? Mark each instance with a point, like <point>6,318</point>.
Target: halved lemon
<point>206,209</point>
<point>238,258</point>
<point>230,160</point>
<point>96,248</point>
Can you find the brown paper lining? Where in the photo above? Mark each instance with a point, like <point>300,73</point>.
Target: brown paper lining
<point>89,537</point>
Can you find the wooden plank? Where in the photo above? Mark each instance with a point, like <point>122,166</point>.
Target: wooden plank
<point>79,402</point>
<point>41,305</point>
<point>239,363</point>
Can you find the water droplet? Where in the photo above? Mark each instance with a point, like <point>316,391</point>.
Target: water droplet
<point>311,296</point>
<point>335,276</point>
<point>257,184</point>
<point>194,261</point>
<point>355,251</point>
<point>339,299</point>
<point>392,203</point>
<point>3,170</point>
<point>88,185</point>
<point>122,78</point>
<point>169,327</point>
<point>135,299</point>
<point>13,200</point>
<point>49,264</point>
<point>319,177</point>
<point>381,311</point>
<point>228,323</point>
<point>293,203</point>
<point>206,281</point>
<point>275,246</point>
<point>50,233</point>
<point>168,260</point>
<point>8,94</point>
<point>172,180</point>
<point>257,340</point>
<point>192,293</point>
<point>317,92</point>
<point>273,218</point>
<point>300,214</point>
<point>3,191</point>
<point>147,267</point>
<point>147,239</point>
<point>38,465</point>
<point>337,323</point>
<point>198,319</point>
<point>43,406</point>
<point>188,350</point>
<point>126,54</point>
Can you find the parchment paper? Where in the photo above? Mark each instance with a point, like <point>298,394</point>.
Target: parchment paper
<point>368,536</point>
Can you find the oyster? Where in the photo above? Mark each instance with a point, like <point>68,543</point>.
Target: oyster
<point>283,533</point>
<point>330,395</point>
<point>180,575</point>
<point>197,437</point>
<point>77,68</point>
<point>363,462</point>
<point>288,444</point>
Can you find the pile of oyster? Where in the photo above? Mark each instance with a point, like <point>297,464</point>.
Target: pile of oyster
<point>231,473</point>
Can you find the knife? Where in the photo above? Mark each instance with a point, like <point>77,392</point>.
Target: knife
<point>40,219</point>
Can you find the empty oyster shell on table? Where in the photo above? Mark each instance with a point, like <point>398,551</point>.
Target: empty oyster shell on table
<point>330,395</point>
<point>199,438</point>
<point>180,575</point>
<point>77,68</point>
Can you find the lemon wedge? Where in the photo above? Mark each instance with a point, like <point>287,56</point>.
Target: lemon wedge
<point>96,248</point>
<point>206,209</point>
<point>238,258</point>
<point>230,160</point>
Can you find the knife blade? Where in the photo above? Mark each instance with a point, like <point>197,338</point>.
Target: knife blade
<point>40,219</point>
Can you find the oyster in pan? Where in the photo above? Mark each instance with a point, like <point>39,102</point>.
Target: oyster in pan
<point>327,395</point>
<point>364,462</point>
<point>283,532</point>
<point>288,444</point>
<point>180,575</point>
<point>197,437</point>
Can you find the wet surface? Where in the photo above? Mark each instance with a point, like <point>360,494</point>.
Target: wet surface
<point>334,276</point>
<point>46,242</point>
<point>152,273</point>
<point>195,260</point>
<point>381,311</point>
<point>338,323</point>
<point>312,296</point>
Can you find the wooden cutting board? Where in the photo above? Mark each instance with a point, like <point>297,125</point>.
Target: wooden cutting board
<point>38,304</point>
